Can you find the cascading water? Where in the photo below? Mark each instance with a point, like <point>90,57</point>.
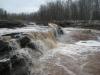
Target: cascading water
<point>49,50</point>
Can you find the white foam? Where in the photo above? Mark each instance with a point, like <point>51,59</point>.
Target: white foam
<point>89,43</point>
<point>24,29</point>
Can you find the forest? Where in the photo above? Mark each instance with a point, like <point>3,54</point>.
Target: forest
<point>59,10</point>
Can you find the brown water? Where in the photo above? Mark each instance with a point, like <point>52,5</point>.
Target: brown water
<point>56,55</point>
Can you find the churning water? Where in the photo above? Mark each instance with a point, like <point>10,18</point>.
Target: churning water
<point>89,43</point>
<point>49,51</point>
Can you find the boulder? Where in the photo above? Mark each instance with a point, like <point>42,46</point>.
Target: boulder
<point>4,47</point>
<point>16,65</point>
<point>33,47</point>
<point>19,65</point>
<point>60,31</point>
<point>4,68</point>
<point>24,41</point>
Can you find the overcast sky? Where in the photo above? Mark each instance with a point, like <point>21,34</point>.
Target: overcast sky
<point>18,6</point>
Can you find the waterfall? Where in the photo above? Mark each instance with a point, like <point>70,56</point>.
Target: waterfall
<point>26,49</point>
<point>57,30</point>
<point>47,51</point>
<point>14,44</point>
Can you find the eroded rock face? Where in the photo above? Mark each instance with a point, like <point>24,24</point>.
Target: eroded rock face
<point>4,47</point>
<point>20,55</point>
<point>19,66</point>
<point>4,68</point>
<point>24,41</point>
<point>18,63</point>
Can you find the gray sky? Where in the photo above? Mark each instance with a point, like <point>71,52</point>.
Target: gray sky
<point>18,6</point>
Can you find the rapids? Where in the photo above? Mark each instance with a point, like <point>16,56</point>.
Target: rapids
<point>49,50</point>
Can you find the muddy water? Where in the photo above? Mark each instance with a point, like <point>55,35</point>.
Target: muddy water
<point>71,59</point>
<point>76,52</point>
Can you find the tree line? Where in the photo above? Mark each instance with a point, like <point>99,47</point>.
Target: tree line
<point>60,10</point>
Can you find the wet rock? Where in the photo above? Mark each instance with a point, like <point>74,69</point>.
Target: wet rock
<point>24,41</point>
<point>4,68</point>
<point>4,47</point>
<point>15,66</point>
<point>57,30</point>
<point>13,35</point>
<point>16,62</point>
<point>5,38</point>
<point>33,47</point>
<point>19,65</point>
<point>60,31</point>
